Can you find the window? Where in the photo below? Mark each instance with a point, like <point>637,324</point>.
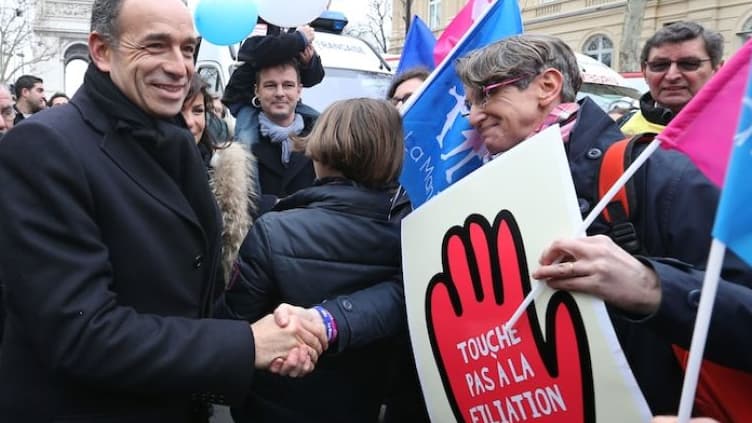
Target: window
<point>434,14</point>
<point>746,32</point>
<point>600,48</point>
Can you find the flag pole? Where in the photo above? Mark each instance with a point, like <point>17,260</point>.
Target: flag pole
<point>700,334</point>
<point>445,62</point>
<point>594,213</point>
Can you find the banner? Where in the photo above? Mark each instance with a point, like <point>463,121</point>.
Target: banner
<point>733,221</point>
<point>418,48</point>
<point>440,145</point>
<point>467,257</point>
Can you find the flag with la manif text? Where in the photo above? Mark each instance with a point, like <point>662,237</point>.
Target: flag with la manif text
<point>440,145</point>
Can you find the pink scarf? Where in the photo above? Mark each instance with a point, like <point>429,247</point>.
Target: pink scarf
<point>565,114</point>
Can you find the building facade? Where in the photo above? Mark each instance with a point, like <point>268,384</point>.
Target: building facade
<point>594,27</point>
<point>64,25</point>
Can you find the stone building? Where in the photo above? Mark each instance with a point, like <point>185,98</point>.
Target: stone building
<point>594,27</point>
<point>64,25</point>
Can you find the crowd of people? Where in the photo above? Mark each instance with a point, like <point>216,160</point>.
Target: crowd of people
<point>158,260</point>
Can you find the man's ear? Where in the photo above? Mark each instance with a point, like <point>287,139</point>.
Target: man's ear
<point>550,84</point>
<point>100,51</point>
<point>719,66</point>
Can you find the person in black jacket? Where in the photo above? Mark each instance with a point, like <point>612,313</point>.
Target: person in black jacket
<point>261,51</point>
<point>519,86</point>
<point>332,249</point>
<point>111,244</point>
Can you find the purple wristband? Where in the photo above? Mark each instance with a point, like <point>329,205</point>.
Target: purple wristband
<point>329,323</point>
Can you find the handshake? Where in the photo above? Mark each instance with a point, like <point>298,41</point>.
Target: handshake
<point>289,341</point>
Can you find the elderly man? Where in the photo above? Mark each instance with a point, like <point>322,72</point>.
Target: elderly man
<point>7,111</point>
<point>677,61</point>
<point>111,245</point>
<point>523,84</point>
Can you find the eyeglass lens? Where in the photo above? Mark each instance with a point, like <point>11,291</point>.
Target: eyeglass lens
<point>687,64</point>
<point>403,99</point>
<point>8,111</point>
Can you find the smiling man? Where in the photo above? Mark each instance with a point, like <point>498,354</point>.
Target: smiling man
<point>676,61</point>
<point>111,245</point>
<point>277,116</point>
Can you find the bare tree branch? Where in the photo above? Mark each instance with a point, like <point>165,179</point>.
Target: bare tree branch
<point>373,29</point>
<point>19,46</point>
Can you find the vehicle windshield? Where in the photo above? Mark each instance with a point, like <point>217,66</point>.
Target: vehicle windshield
<point>340,84</point>
<point>604,95</point>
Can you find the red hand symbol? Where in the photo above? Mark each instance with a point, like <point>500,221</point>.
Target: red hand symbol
<point>495,375</point>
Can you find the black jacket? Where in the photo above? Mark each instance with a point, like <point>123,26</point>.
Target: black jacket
<point>262,51</point>
<point>674,217</point>
<point>107,270</point>
<point>333,244</point>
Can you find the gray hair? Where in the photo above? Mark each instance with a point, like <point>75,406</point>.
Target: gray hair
<point>681,31</point>
<point>522,56</point>
<point>104,19</point>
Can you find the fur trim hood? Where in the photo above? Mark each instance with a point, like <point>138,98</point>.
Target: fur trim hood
<point>232,181</point>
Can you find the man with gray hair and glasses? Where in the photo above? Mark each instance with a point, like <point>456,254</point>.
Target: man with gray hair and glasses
<point>523,84</point>
<point>111,244</point>
<point>677,61</point>
<point>8,113</point>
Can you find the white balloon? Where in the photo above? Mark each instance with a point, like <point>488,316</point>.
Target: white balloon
<point>290,13</point>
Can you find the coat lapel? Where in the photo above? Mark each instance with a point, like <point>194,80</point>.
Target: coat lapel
<point>147,174</point>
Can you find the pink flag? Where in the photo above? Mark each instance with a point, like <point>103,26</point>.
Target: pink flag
<point>456,29</point>
<point>705,127</point>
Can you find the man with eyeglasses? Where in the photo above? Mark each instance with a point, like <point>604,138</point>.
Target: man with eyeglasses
<point>7,113</point>
<point>677,61</point>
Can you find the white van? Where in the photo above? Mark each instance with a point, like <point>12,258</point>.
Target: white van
<point>351,67</point>
<point>603,84</point>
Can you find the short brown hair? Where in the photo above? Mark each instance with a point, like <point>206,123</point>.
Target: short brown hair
<point>360,137</point>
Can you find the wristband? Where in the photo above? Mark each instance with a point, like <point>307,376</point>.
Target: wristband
<point>329,323</point>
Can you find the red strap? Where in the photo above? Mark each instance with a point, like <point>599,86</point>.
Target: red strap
<point>722,392</point>
<point>612,167</point>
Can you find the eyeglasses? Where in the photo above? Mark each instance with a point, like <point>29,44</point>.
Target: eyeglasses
<point>486,90</point>
<point>686,64</point>
<point>8,112</point>
<point>397,100</point>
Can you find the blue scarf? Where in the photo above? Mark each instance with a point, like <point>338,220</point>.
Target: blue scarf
<point>281,134</point>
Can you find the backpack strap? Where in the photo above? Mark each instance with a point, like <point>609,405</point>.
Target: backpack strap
<point>616,158</point>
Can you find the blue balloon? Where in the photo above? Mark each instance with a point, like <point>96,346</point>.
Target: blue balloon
<point>225,22</point>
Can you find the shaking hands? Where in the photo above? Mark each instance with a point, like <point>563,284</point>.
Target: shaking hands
<point>290,341</point>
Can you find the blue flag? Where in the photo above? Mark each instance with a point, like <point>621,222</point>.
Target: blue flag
<point>440,145</point>
<point>733,221</point>
<point>418,48</point>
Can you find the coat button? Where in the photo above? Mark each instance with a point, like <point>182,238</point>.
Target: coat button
<point>594,154</point>
<point>198,261</point>
<point>584,205</point>
<point>693,298</point>
<point>347,305</point>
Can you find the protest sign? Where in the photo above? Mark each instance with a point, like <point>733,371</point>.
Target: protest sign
<point>467,256</point>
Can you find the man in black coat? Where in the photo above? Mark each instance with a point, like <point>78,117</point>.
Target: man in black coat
<point>111,245</point>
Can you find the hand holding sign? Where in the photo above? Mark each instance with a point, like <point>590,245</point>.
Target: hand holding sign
<point>491,373</point>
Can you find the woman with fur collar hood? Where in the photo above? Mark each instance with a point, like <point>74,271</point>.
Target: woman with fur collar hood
<point>231,173</point>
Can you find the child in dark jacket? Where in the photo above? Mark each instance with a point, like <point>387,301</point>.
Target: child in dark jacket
<point>332,249</point>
